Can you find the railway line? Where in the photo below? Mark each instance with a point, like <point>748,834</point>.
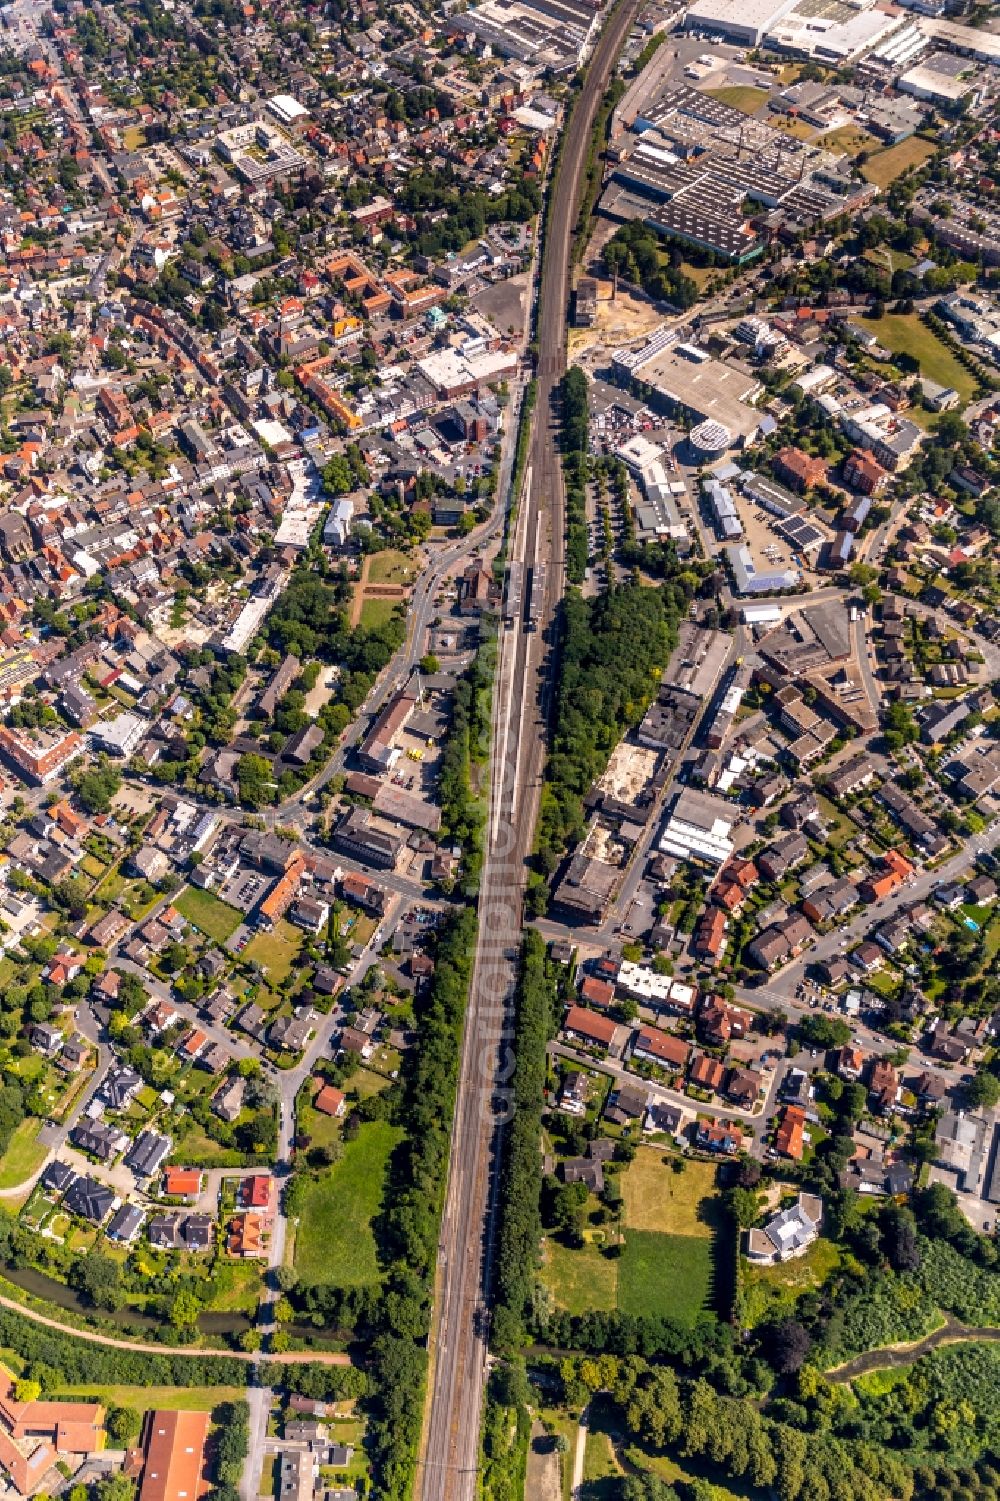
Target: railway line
<point>449,1457</point>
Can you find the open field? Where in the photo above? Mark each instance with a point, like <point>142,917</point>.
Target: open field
<point>275,952</point>
<point>770,1291</point>
<point>214,918</point>
<point>848,138</point>
<point>391,567</point>
<point>670,1220</point>
<point>24,1155</point>
<point>334,1242</point>
<point>582,1279</point>
<point>885,166</point>
<point>376,612</point>
<point>743,97</point>
<point>657,1198</point>
<point>799,129</point>
<point>903,333</point>
<point>145,1398</point>
<point>665,1275</point>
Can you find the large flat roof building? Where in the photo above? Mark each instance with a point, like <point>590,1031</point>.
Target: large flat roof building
<point>699,828</point>
<point>742,21</point>
<point>684,378</point>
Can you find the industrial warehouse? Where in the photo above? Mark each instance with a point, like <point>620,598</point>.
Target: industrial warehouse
<point>688,164</point>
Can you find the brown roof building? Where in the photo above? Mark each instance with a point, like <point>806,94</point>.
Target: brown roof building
<point>660,1047</point>
<point>175,1457</point>
<point>798,469</point>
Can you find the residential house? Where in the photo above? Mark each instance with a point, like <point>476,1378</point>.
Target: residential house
<point>789,1138</point>
<point>789,1233</point>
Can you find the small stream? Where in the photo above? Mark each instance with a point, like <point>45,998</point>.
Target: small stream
<point>39,1285</point>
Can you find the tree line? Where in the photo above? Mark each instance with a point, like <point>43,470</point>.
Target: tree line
<point>520,1222</point>
<point>575,445</point>
<point>614,648</point>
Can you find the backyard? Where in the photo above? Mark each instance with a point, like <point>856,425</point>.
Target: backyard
<point>771,1291</point>
<point>275,952</point>
<point>334,1241</point>
<point>670,1221</point>
<point>214,918</point>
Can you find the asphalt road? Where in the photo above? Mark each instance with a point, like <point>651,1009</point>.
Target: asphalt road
<point>450,1444</point>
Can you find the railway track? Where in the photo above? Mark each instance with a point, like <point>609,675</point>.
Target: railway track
<point>449,1458</point>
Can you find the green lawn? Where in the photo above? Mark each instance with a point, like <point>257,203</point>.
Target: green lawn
<point>211,916</point>
<point>145,1398</point>
<point>275,952</point>
<point>848,138</point>
<point>665,1275</point>
<point>376,612</point>
<point>903,333</point>
<point>334,1241</point>
<point>743,97</point>
<point>581,1280</point>
<point>24,1155</point>
<point>885,166</point>
<point>391,567</point>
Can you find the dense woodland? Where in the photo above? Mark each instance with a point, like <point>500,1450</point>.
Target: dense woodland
<point>614,648</point>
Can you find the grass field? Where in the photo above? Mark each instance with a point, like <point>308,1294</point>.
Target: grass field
<point>657,1198</point>
<point>770,1291</point>
<point>24,1155</point>
<point>796,128</point>
<point>145,1398</point>
<point>210,916</point>
<point>334,1241</point>
<point>885,166</point>
<point>667,1263</point>
<point>903,333</point>
<point>275,952</point>
<point>376,612</point>
<point>846,138</point>
<point>601,1469</point>
<point>743,97</point>
<point>582,1279</point>
<point>665,1275</point>
<point>700,275</point>
<point>391,567</point>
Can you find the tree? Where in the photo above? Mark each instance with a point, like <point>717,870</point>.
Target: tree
<point>184,1309</point>
<point>899,1239</point>
<point>569,1208</point>
<point>744,1205</point>
<point>117,1488</point>
<point>824,1031</point>
<point>785,1343</point>
<point>983,1090</point>
<point>124,1425</point>
<point>98,1278</point>
<point>338,477</point>
<point>26,1390</point>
